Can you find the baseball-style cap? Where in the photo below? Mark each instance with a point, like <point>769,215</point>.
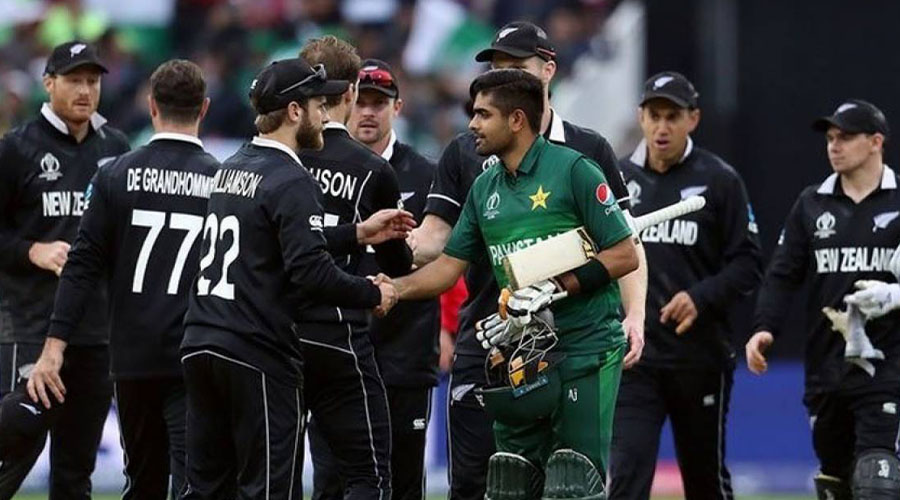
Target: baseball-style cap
<point>855,116</point>
<point>376,74</point>
<point>21,421</point>
<point>671,86</point>
<point>520,40</point>
<point>287,80</point>
<point>70,55</point>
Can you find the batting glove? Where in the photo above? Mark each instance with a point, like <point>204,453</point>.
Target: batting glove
<point>523,304</point>
<point>494,331</point>
<point>875,298</point>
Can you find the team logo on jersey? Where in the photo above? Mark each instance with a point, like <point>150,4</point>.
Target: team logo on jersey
<point>405,195</point>
<point>881,221</point>
<point>315,222</point>
<point>31,408</point>
<point>105,160</point>
<point>692,191</point>
<point>490,162</point>
<point>604,194</point>
<point>88,194</point>
<point>76,49</point>
<point>539,199</point>
<point>491,205</point>
<point>825,225</point>
<point>50,168</point>
<point>751,224</point>
<point>634,192</point>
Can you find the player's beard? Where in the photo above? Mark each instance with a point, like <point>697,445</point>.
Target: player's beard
<point>309,136</point>
<point>496,146</point>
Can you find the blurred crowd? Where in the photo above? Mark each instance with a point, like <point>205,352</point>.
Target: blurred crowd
<point>430,43</point>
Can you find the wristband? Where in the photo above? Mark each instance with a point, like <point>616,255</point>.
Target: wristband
<point>592,276</point>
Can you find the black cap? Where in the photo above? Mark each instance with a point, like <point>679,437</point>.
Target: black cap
<point>671,86</point>
<point>287,80</point>
<point>21,421</point>
<point>376,74</point>
<point>855,116</point>
<point>520,40</point>
<point>70,55</point>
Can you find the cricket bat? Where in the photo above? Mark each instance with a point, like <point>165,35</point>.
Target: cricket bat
<point>574,248</point>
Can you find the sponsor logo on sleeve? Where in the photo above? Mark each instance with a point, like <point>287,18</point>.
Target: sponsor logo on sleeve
<point>604,194</point>
<point>315,222</point>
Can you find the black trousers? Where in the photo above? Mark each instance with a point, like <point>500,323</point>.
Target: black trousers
<point>244,431</point>
<point>350,427</point>
<point>410,410</point>
<point>470,430</point>
<point>696,401</point>
<point>151,420</point>
<point>847,423</point>
<point>75,435</point>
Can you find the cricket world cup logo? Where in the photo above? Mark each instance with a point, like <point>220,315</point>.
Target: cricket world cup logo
<point>50,168</point>
<point>825,225</point>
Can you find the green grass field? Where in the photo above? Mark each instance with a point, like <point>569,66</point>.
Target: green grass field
<point>739,497</point>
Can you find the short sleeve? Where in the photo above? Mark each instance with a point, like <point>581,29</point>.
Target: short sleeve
<point>596,203</point>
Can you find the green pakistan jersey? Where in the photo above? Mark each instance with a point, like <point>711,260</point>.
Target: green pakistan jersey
<point>555,189</point>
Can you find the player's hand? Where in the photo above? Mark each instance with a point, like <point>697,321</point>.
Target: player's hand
<point>634,331</point>
<point>875,298</point>
<point>494,331</point>
<point>523,303</point>
<point>755,351</point>
<point>389,295</point>
<point>50,256</point>
<point>45,374</point>
<point>384,225</point>
<point>680,309</point>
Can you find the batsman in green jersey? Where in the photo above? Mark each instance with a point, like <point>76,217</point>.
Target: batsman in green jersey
<point>536,190</point>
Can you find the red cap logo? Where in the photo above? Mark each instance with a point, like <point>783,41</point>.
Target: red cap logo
<point>604,194</point>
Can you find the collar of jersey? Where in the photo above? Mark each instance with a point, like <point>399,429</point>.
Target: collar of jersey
<point>97,120</point>
<point>557,131</point>
<point>389,150</point>
<point>336,126</point>
<point>888,181</point>
<point>175,136</point>
<point>639,157</point>
<point>531,157</point>
<point>269,143</point>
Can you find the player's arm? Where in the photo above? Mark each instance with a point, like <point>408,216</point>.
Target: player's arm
<point>85,267</point>
<point>742,255</point>
<point>14,250</point>
<point>310,268</point>
<point>394,257</point>
<point>785,275</point>
<point>442,209</point>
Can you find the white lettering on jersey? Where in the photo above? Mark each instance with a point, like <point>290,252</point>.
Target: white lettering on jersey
<point>501,250</point>
<point>236,182</point>
<point>171,182</point>
<point>63,203</point>
<point>336,184</point>
<point>852,259</point>
<point>677,231</point>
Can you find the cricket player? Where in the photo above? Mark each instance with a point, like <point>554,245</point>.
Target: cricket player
<point>703,264</point>
<point>145,211</point>
<point>838,232</point>
<point>264,260</point>
<point>45,168</point>
<point>535,190</point>
<point>406,340</point>
<point>524,46</point>
<point>350,428</point>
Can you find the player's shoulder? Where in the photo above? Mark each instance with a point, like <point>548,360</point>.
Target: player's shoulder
<point>713,164</point>
<point>413,158</point>
<point>114,136</point>
<point>564,155</point>
<point>584,137</point>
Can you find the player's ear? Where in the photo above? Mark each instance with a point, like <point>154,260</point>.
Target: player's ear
<point>204,108</point>
<point>877,142</point>
<point>295,111</point>
<point>398,105</point>
<point>49,81</point>
<point>549,70</point>
<point>151,105</point>
<point>517,120</point>
<point>693,119</point>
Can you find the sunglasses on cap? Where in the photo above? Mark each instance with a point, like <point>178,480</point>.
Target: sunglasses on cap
<point>377,76</point>
<point>319,74</point>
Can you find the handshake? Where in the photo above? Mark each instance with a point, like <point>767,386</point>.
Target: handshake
<point>389,295</point>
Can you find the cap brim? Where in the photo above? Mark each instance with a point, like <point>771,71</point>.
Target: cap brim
<point>390,92</point>
<point>649,96</point>
<point>487,55</point>
<point>826,122</point>
<point>75,65</point>
<point>326,88</point>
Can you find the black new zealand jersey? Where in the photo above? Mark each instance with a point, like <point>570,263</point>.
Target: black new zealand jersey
<point>44,172</point>
<point>355,183</point>
<point>829,242</point>
<point>407,340</point>
<point>144,214</point>
<point>457,169</point>
<point>263,261</point>
<point>713,254</point>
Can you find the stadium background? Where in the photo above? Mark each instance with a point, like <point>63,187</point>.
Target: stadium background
<point>764,69</point>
